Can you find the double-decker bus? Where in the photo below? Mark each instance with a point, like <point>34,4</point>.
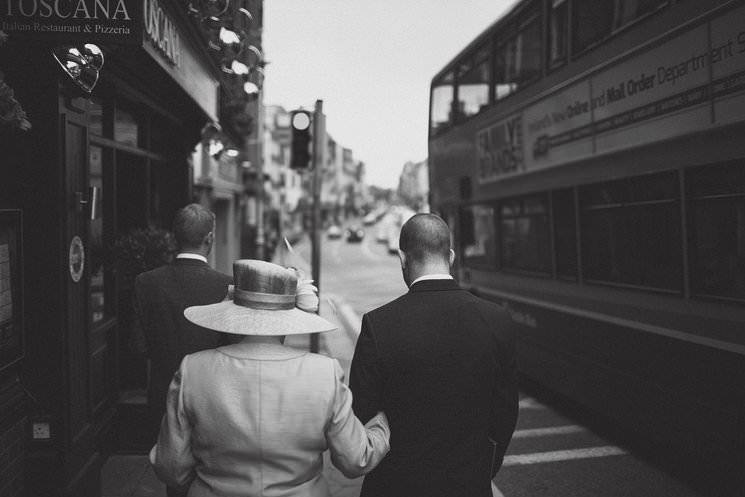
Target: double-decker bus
<point>589,156</point>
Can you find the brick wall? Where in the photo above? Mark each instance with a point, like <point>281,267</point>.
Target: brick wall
<point>12,441</point>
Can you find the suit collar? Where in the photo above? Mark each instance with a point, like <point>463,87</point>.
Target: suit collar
<point>191,255</point>
<point>188,262</point>
<point>434,285</point>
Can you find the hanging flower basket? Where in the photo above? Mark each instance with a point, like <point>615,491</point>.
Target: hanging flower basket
<point>141,250</point>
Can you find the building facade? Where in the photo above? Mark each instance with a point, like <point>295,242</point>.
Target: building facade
<point>413,186</point>
<point>116,146</point>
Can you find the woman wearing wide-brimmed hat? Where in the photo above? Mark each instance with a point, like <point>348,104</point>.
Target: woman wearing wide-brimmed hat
<point>255,417</point>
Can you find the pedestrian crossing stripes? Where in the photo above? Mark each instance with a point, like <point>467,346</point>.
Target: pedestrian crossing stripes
<point>530,403</point>
<point>544,432</point>
<point>562,455</point>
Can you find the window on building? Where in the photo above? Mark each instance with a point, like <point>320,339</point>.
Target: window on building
<point>126,128</point>
<point>478,236</point>
<point>565,233</point>
<point>443,92</point>
<point>525,243</point>
<point>631,232</point>
<point>473,83</point>
<point>718,230</point>
<point>95,113</point>
<point>96,239</point>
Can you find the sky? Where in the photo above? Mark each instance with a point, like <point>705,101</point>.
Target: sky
<point>371,64</point>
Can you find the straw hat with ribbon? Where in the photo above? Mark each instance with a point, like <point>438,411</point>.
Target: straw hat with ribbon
<point>265,302</point>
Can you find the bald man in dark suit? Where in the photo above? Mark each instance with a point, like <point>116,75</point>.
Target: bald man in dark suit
<point>439,362</point>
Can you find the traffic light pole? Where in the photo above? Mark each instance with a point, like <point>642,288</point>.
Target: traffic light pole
<point>319,145</point>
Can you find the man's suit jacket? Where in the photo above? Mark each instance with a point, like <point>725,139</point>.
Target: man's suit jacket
<point>439,362</point>
<point>160,328</point>
<point>254,419</point>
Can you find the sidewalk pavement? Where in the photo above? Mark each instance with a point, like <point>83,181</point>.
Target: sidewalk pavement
<point>132,476</point>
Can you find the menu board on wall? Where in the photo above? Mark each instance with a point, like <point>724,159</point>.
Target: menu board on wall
<point>11,319</point>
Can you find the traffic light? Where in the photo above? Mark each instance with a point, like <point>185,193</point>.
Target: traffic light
<point>300,153</point>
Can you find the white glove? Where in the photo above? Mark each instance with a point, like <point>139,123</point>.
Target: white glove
<point>306,297</point>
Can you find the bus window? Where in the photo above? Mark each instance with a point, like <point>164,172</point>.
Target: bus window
<point>627,11</point>
<point>558,32</point>
<point>517,58</point>
<point>631,232</point>
<point>565,233</point>
<point>473,83</point>
<point>503,86</point>
<point>477,235</point>
<point>441,103</point>
<point>718,218</point>
<point>524,234</point>
<point>595,20</point>
<point>529,50</point>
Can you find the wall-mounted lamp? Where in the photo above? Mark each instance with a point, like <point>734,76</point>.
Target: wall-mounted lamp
<point>80,64</point>
<point>208,8</point>
<point>254,82</point>
<point>212,139</point>
<point>254,57</point>
<point>251,89</point>
<point>236,67</point>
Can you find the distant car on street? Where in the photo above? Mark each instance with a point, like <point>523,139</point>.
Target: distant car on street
<point>370,219</point>
<point>355,234</point>
<point>333,232</point>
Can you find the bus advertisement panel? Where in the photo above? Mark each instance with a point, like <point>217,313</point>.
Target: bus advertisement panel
<point>686,84</point>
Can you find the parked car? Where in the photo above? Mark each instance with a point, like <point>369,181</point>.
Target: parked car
<point>355,234</point>
<point>333,232</point>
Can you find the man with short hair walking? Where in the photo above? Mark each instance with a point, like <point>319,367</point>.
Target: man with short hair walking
<point>439,362</point>
<point>161,331</point>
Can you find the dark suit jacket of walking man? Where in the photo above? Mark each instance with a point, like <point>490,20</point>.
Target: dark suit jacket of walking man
<point>439,362</point>
<point>161,331</point>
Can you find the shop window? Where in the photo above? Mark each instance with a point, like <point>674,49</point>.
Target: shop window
<point>524,234</point>
<point>473,83</point>
<point>478,237</point>
<point>631,232</point>
<point>126,128</point>
<point>718,218</point>
<point>161,136</point>
<point>558,33</point>
<point>95,113</point>
<point>96,237</point>
<point>565,233</point>
<point>595,20</point>
<point>443,92</point>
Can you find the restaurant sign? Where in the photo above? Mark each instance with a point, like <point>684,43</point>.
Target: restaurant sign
<point>90,21</point>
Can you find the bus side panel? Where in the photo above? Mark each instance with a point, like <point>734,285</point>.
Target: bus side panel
<point>669,391</point>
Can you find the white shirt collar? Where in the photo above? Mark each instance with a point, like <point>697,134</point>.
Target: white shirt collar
<point>189,255</point>
<point>432,277</point>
